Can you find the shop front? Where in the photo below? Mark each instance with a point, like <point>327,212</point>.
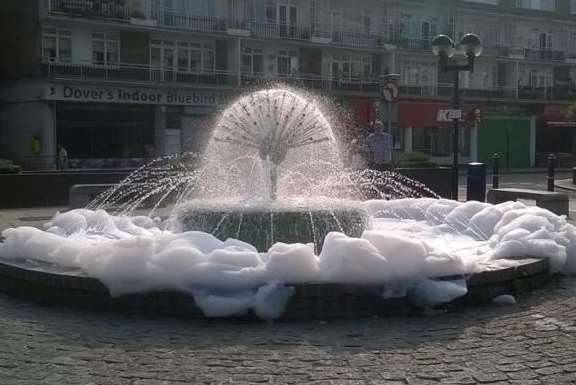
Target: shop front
<point>422,132</point>
<point>125,127</point>
<point>556,134</point>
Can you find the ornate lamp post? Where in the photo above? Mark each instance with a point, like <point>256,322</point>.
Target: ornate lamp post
<point>443,47</point>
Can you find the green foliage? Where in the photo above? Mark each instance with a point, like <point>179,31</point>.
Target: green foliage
<point>8,167</point>
<point>415,160</point>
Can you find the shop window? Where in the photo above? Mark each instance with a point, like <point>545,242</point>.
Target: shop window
<point>437,141</point>
<point>57,45</point>
<point>105,49</point>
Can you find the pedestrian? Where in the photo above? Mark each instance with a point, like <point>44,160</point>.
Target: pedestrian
<point>36,146</point>
<point>357,157</point>
<point>62,158</point>
<point>380,148</point>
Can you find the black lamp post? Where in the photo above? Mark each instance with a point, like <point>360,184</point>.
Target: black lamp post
<point>443,47</point>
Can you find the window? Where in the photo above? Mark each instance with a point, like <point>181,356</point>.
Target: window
<point>182,55</point>
<point>351,66</point>
<point>105,49</point>
<point>287,62</point>
<point>573,7</point>
<point>545,41</point>
<point>57,45</point>
<point>539,5</point>
<point>252,61</point>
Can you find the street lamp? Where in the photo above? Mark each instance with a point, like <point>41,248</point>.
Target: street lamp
<point>443,47</point>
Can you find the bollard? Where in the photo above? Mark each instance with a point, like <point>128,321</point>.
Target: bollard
<point>495,171</point>
<point>551,171</point>
<point>476,189</point>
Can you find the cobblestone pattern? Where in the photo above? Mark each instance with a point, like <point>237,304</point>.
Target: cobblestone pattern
<point>533,342</point>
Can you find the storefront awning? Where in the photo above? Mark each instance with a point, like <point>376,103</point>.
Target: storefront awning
<point>557,116</point>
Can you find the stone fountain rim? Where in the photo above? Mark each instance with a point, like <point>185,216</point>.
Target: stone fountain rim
<point>57,285</point>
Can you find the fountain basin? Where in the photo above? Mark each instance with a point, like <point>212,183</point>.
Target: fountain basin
<point>262,224</point>
<point>54,285</point>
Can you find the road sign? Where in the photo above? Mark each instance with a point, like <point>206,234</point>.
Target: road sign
<point>390,91</point>
<point>449,115</point>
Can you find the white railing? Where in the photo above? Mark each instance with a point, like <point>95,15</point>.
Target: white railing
<point>106,9</point>
<point>137,73</point>
<point>447,90</point>
<point>171,18</point>
<point>363,85</point>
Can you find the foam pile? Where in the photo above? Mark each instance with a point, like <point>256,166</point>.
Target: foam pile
<point>410,242</point>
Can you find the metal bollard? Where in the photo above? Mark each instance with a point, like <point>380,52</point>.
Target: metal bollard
<point>495,171</point>
<point>476,186</point>
<point>551,171</point>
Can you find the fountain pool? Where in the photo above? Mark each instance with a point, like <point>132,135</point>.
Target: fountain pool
<point>270,209</point>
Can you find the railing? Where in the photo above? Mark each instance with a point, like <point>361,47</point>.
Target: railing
<point>104,9</point>
<point>416,44</point>
<point>195,23</point>
<point>543,55</point>
<point>282,31</point>
<point>146,73</point>
<point>136,72</point>
<point>315,82</point>
<point>446,91</point>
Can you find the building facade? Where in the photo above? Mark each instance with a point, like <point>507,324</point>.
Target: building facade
<point>118,81</point>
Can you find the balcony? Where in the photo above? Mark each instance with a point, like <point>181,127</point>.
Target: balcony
<point>544,55</point>
<point>316,82</point>
<point>279,31</point>
<point>414,44</point>
<point>445,91</point>
<point>98,9</point>
<point>136,73</point>
<point>195,23</point>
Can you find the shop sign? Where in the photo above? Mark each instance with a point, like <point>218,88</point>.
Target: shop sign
<point>449,115</point>
<point>133,95</point>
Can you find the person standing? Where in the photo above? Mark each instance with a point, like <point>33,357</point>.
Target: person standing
<point>380,148</point>
<point>62,158</point>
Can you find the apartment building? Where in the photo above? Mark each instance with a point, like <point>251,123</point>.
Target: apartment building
<point>117,81</point>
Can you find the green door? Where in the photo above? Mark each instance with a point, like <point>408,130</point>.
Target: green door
<point>507,136</point>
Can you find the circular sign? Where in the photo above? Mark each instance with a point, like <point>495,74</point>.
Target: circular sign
<point>390,91</point>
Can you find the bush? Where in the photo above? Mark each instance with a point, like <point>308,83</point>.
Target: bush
<point>415,160</point>
<point>8,167</point>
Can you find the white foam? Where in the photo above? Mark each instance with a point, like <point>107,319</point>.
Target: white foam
<point>409,242</point>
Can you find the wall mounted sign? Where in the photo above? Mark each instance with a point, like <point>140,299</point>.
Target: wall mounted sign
<point>79,93</point>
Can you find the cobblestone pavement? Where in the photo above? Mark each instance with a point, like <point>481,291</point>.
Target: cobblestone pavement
<point>533,342</point>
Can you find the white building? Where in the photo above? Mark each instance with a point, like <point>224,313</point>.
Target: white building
<point>115,81</point>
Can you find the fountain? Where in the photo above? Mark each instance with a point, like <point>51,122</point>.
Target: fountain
<point>270,213</point>
<point>291,187</point>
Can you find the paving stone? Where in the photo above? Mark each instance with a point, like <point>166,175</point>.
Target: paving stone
<point>477,345</point>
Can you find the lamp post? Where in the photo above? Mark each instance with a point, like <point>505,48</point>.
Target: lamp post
<point>444,48</point>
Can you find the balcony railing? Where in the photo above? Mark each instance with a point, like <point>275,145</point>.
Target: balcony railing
<point>446,91</point>
<point>315,82</point>
<point>544,55</point>
<point>194,23</point>
<point>279,31</point>
<point>145,73</point>
<point>101,9</point>
<point>136,73</point>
